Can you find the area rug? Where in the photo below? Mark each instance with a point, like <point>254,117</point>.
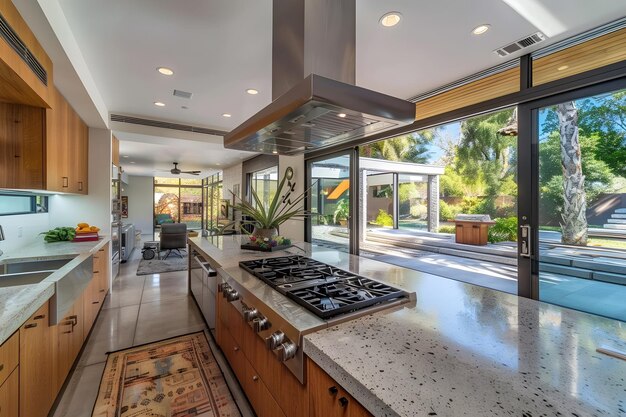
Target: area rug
<point>158,266</point>
<point>177,377</point>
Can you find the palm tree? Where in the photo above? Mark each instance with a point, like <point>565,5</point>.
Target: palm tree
<point>408,148</point>
<point>574,225</point>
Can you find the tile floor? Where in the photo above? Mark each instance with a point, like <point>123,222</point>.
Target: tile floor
<point>138,310</point>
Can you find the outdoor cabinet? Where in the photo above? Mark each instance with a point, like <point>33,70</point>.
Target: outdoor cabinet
<point>472,232</point>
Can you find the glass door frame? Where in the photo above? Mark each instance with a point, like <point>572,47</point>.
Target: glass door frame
<point>354,218</point>
<point>528,177</point>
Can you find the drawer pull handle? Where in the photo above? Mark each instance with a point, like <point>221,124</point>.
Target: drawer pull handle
<point>1,367</point>
<point>333,390</point>
<point>236,348</point>
<point>39,317</point>
<point>30,325</point>
<point>65,182</point>
<point>102,290</point>
<point>74,320</point>
<point>95,302</point>
<point>343,401</point>
<point>96,272</point>
<point>67,332</point>
<point>255,378</point>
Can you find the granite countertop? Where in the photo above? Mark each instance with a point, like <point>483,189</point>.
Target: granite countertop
<point>18,303</point>
<point>459,349</point>
<point>465,350</point>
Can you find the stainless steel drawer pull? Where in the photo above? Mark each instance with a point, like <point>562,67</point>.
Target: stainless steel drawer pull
<point>255,378</point>
<point>236,349</point>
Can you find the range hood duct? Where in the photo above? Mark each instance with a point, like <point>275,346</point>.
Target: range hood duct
<point>315,103</point>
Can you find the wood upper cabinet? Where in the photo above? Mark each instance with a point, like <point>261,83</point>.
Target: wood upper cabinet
<point>67,148</point>
<point>115,151</point>
<point>21,146</point>
<point>19,81</point>
<point>37,385</point>
<point>327,398</point>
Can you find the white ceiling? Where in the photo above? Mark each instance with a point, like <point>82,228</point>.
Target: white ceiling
<point>219,48</point>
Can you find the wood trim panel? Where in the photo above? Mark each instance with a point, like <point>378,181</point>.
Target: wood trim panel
<point>497,85</point>
<point>115,151</point>
<point>595,53</point>
<point>9,396</point>
<point>19,83</point>
<point>9,356</point>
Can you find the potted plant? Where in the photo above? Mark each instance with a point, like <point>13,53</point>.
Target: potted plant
<point>266,220</point>
<point>342,211</point>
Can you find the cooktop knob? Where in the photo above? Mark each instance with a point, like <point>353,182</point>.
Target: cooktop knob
<point>261,323</point>
<point>232,295</point>
<point>274,340</point>
<point>250,314</point>
<point>287,350</point>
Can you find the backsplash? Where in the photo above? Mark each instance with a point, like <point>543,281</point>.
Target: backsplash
<point>28,225</point>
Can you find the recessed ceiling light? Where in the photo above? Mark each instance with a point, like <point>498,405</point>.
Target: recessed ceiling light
<point>227,115</point>
<point>159,103</point>
<point>132,162</point>
<point>479,30</point>
<point>125,156</point>
<point>252,91</point>
<point>342,115</point>
<point>562,67</point>
<point>165,71</point>
<point>390,19</point>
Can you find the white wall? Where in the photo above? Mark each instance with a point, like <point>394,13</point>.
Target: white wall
<point>95,208</point>
<point>140,202</point>
<point>294,228</point>
<point>31,225</point>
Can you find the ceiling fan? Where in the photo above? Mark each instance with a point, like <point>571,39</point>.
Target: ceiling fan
<point>177,171</point>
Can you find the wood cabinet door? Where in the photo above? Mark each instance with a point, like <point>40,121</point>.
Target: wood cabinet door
<point>260,397</point>
<point>234,355</point>
<point>9,395</point>
<point>37,385</point>
<point>8,135</point>
<point>69,340</point>
<point>57,145</point>
<point>91,304</point>
<point>290,394</point>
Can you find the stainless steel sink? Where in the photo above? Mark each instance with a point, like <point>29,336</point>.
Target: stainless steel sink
<point>34,265</point>
<point>23,278</point>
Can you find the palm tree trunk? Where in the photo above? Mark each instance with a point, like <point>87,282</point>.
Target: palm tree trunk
<point>574,224</point>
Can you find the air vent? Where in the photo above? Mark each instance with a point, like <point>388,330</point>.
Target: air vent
<point>182,94</point>
<point>9,35</point>
<point>165,125</point>
<point>521,44</point>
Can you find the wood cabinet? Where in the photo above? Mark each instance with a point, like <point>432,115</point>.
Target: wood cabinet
<point>328,399</point>
<point>21,146</point>
<point>37,385</point>
<point>9,356</point>
<point>259,395</point>
<point>115,151</point>
<point>19,83</point>
<point>69,341</point>
<point>67,148</point>
<point>472,233</point>
<point>9,395</point>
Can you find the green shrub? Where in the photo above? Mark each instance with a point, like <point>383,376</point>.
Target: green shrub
<point>447,229</point>
<point>505,230</point>
<point>471,205</point>
<point>447,211</point>
<point>384,218</point>
<point>419,211</point>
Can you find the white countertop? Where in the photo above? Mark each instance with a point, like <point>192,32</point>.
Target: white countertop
<point>18,303</point>
<point>460,350</point>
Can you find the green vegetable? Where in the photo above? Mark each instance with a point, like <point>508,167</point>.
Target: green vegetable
<point>59,234</point>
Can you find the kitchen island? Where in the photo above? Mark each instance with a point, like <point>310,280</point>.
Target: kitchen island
<point>459,349</point>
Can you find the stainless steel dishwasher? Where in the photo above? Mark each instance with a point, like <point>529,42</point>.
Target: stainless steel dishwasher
<point>203,285</point>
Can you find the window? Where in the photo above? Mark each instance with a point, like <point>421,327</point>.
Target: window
<point>178,200</point>
<point>212,198</point>
<point>22,204</point>
<point>264,183</point>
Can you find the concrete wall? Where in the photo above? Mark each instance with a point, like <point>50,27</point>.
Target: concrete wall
<point>139,191</point>
<point>232,176</point>
<point>293,229</point>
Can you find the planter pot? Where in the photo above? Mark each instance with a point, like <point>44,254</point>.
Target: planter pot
<point>265,233</point>
<point>343,222</point>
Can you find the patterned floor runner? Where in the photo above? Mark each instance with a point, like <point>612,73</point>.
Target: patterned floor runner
<point>177,377</point>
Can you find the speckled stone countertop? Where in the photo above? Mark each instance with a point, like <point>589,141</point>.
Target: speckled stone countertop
<point>465,350</point>
<point>460,350</point>
<point>18,303</point>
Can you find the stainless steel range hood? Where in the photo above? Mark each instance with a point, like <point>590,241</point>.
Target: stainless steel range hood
<point>315,102</point>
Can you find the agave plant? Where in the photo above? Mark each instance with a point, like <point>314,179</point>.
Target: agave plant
<point>284,206</point>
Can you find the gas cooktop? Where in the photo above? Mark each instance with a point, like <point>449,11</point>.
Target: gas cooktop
<point>325,290</point>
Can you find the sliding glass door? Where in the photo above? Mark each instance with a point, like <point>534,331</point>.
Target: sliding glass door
<point>332,222</point>
<point>575,249</point>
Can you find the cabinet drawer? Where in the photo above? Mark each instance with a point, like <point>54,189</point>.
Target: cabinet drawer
<point>260,397</point>
<point>9,356</point>
<point>233,354</point>
<point>9,396</point>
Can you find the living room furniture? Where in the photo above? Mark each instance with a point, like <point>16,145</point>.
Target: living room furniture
<point>173,238</point>
<point>163,218</point>
<point>151,249</point>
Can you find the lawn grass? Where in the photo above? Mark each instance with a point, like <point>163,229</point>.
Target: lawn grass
<point>607,243</point>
